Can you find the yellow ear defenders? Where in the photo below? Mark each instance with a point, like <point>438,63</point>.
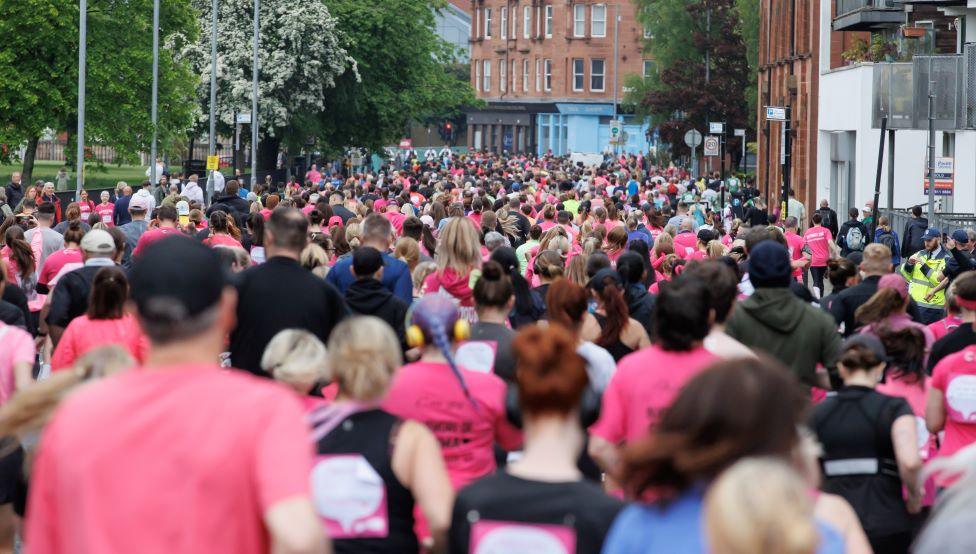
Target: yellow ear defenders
<point>415,335</point>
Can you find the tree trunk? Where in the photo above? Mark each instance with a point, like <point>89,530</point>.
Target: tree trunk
<point>27,175</point>
<point>268,156</point>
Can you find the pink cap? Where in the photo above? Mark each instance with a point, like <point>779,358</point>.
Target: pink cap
<point>138,203</point>
<point>896,282</point>
<point>335,220</point>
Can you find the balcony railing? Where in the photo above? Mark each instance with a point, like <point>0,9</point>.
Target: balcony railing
<point>865,15</point>
<point>901,91</point>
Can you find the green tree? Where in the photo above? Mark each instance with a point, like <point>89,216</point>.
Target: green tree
<point>39,73</point>
<point>680,96</point>
<point>406,73</point>
<point>749,29</point>
<point>300,54</point>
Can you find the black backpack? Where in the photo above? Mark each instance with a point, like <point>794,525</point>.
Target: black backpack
<point>826,219</point>
<point>887,238</point>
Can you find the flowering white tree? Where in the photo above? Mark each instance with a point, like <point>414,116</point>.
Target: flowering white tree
<point>300,54</point>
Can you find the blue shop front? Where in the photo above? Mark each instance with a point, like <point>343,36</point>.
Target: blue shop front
<point>577,127</point>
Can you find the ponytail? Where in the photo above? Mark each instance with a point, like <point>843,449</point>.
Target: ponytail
<point>617,313</point>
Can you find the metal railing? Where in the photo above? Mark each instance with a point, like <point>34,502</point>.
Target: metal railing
<point>848,6</point>
<point>944,222</point>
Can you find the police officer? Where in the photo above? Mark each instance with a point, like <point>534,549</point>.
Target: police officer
<point>926,280</point>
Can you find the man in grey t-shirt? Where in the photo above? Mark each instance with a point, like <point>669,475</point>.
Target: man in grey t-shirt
<point>133,230</point>
<point>51,240</point>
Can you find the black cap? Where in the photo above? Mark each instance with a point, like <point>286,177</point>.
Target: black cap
<point>176,278</point>
<point>598,282</point>
<point>769,265</point>
<point>366,261</point>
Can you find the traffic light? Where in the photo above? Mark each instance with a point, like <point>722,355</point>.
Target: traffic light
<point>449,131</point>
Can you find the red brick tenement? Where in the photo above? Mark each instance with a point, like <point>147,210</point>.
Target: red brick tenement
<point>789,58</point>
<point>528,56</point>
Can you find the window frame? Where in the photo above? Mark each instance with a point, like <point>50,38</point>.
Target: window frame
<point>538,74</point>
<point>579,25</point>
<point>593,20</point>
<point>602,74</point>
<point>487,33</point>
<point>502,76</point>
<point>578,76</point>
<point>547,26</point>
<point>527,22</point>
<point>547,75</point>
<point>525,75</point>
<point>486,75</point>
<point>477,74</point>
<point>503,20</point>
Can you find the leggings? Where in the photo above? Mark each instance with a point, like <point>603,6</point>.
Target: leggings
<point>817,273</point>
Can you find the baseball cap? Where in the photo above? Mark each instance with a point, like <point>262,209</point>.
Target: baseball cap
<point>931,233</point>
<point>960,235</point>
<point>870,342</point>
<point>176,278</point>
<point>598,282</point>
<point>366,261</point>
<point>98,241</point>
<point>335,220</point>
<point>138,204</point>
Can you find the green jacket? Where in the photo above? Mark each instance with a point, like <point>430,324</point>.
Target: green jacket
<point>797,334</point>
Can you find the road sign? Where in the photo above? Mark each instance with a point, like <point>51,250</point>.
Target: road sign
<point>213,162</point>
<point>716,128</point>
<point>775,113</point>
<point>406,144</point>
<point>616,128</point>
<point>712,147</point>
<point>693,138</point>
<point>944,177</point>
<point>740,132</point>
<point>243,118</point>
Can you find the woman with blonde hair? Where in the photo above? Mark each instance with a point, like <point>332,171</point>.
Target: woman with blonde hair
<point>715,249</point>
<point>297,358</point>
<point>353,233</point>
<point>419,275</point>
<point>315,259</point>
<point>774,518</point>
<point>408,250</point>
<point>365,450</point>
<point>458,258</point>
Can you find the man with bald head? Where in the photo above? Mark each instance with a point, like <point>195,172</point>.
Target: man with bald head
<point>121,215</point>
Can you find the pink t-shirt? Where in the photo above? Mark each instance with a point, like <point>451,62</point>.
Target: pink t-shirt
<point>955,377</point>
<point>195,457</point>
<point>429,392</point>
<point>685,244</point>
<point>222,240</point>
<point>106,213</point>
<point>818,241</point>
<point>16,347</point>
<point>56,261</point>
<point>644,385</point>
<point>944,326</point>
<point>83,335</point>
<point>86,207</point>
<point>152,235</point>
<point>796,244</point>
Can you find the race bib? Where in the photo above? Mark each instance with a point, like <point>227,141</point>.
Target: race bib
<point>961,398</point>
<point>500,537</point>
<point>350,497</point>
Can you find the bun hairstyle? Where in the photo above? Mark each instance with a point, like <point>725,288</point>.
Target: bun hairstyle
<point>859,357</point>
<point>839,270</point>
<point>549,264</point>
<point>494,288</point>
<point>74,233</point>
<point>431,319</point>
<point>551,376</point>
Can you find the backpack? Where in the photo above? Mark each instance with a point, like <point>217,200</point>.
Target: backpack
<point>854,239</point>
<point>826,219</point>
<point>888,239</point>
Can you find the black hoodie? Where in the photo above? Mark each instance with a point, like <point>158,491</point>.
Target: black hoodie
<point>911,239</point>
<point>641,306</point>
<point>369,297</point>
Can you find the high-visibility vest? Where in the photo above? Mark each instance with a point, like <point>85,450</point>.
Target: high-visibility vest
<point>925,276</point>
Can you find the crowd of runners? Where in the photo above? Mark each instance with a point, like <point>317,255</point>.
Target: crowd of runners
<point>481,354</point>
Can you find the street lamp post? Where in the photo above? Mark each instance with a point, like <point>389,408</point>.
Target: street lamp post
<point>82,55</point>
<point>155,94</point>
<point>213,96</point>
<point>254,98</point>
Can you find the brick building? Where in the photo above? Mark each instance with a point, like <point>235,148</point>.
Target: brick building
<point>789,59</point>
<point>547,72</point>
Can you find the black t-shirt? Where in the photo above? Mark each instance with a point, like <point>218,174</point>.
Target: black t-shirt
<point>955,341</point>
<point>578,511</point>
<point>854,426</point>
<point>276,295</point>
